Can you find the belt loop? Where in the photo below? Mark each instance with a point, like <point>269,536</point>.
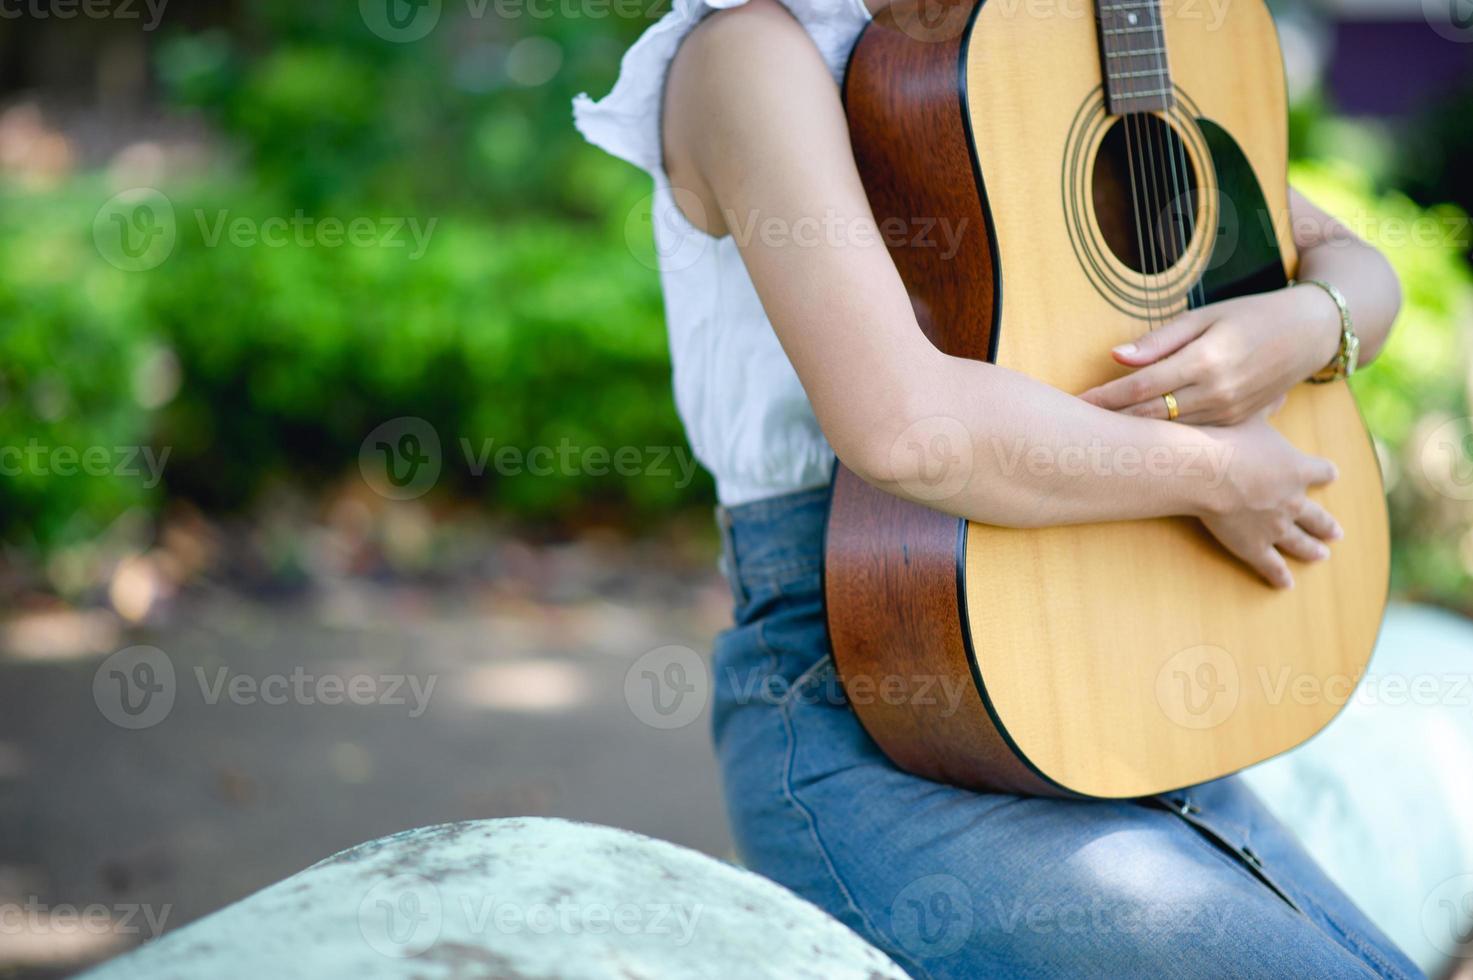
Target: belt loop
<point>728,560</point>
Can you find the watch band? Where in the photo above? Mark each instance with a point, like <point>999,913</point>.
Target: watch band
<point>1342,365</point>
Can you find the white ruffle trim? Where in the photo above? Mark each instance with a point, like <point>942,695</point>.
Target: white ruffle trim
<point>626,122</point>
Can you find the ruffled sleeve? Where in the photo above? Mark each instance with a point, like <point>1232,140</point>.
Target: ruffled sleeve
<point>626,122</point>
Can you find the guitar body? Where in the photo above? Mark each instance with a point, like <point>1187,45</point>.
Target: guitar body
<point>1110,660</point>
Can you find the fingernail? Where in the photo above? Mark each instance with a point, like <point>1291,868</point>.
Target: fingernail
<point>1125,350</point>
<point>1321,552</point>
<point>1337,532</point>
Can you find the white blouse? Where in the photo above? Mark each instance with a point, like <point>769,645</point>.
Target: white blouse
<point>744,410</point>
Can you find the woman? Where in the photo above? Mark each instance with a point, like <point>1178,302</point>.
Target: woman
<point>737,116</point>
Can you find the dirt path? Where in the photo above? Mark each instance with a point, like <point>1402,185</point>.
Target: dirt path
<point>471,702</point>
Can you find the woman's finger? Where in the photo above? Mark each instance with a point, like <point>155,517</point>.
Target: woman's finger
<point>1297,544</point>
<point>1149,382</point>
<point>1188,400</point>
<point>1319,522</point>
<point>1153,345</point>
<point>1271,565</point>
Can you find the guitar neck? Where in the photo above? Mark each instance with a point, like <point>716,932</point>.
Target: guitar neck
<point>1133,56</point>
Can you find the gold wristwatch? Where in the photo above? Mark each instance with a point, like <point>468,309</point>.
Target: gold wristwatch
<point>1342,365</point>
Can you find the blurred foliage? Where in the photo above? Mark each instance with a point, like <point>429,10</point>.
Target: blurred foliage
<point>73,342</point>
<point>527,320</point>
<point>533,315</point>
<point>1415,397</point>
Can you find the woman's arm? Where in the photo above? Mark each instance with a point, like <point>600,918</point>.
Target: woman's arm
<point>1226,361</point>
<point>755,137</point>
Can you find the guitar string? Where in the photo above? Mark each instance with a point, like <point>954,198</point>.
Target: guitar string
<point>1182,201</point>
<point>1172,246</point>
<point>1152,210</point>
<point>1145,240</point>
<point>1152,125</point>
<point>1135,211</point>
<point>1155,124</point>
<point>1154,264</point>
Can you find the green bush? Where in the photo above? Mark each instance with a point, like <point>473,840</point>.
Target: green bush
<point>527,320</point>
<point>526,334</point>
<point>1419,384</point>
<point>74,349</point>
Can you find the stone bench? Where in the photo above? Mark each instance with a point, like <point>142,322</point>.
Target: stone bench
<point>515,898</point>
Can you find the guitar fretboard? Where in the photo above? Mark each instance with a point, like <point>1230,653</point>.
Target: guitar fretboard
<point>1133,56</point>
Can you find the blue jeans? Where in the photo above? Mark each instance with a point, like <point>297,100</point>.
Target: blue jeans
<point>1203,882</point>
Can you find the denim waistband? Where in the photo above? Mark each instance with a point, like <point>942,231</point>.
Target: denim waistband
<point>769,541</point>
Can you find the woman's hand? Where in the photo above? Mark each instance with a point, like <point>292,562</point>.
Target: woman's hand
<point>1225,362</point>
<point>1261,512</point>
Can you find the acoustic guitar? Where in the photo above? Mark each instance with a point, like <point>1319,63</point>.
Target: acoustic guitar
<point>1107,168</point>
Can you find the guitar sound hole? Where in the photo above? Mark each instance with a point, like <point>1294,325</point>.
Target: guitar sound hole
<point>1145,193</point>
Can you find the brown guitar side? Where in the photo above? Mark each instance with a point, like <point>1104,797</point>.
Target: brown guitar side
<point>891,576</point>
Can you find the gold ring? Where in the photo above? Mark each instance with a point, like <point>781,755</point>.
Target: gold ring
<point>1171,411</point>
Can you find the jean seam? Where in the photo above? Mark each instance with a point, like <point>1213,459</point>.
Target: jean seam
<point>1239,865</point>
<point>767,648</point>
<point>783,576</point>
<point>811,822</point>
<point>821,666</point>
<point>1356,941</point>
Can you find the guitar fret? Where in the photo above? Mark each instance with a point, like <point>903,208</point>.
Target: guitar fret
<point>1148,93</point>
<point>1134,29</point>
